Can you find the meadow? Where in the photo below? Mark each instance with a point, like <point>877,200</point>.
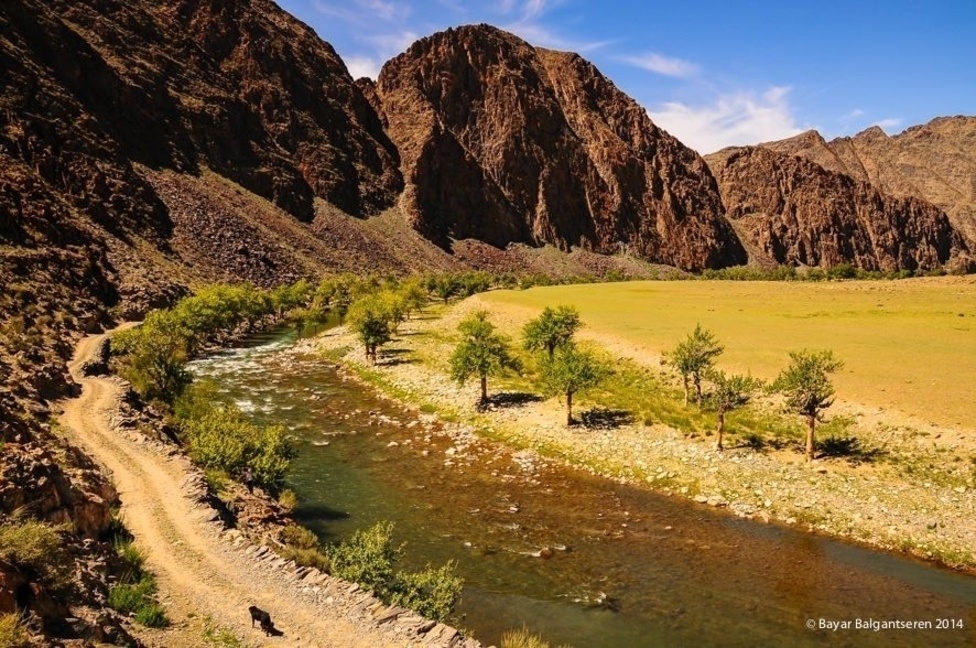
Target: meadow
<point>909,346</point>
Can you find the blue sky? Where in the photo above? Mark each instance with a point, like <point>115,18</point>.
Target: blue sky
<point>714,73</point>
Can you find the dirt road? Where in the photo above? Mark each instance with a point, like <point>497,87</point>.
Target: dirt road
<point>204,579</point>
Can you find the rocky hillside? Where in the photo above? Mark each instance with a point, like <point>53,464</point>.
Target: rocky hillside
<point>935,162</point>
<point>792,211</point>
<point>503,142</point>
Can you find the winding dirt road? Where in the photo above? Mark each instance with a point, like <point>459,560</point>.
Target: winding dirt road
<point>204,580</point>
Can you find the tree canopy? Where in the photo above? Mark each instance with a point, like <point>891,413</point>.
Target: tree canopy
<point>570,370</point>
<point>807,389</point>
<point>693,357</point>
<point>552,329</point>
<point>482,352</point>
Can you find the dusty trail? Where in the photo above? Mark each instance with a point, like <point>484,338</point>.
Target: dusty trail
<point>199,572</point>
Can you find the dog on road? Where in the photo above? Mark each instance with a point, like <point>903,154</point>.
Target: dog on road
<point>263,619</point>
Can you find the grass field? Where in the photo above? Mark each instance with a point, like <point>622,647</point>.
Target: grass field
<point>908,345</point>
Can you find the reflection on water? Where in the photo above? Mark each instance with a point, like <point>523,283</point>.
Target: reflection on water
<point>580,560</point>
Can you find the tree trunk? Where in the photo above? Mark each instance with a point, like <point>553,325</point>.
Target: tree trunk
<point>569,408</point>
<point>721,427</point>
<point>685,378</point>
<point>698,393</point>
<point>811,440</point>
<point>484,388</point>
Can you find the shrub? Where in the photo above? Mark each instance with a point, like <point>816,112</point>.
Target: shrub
<point>35,549</point>
<point>369,558</point>
<point>12,632</point>
<point>523,639</point>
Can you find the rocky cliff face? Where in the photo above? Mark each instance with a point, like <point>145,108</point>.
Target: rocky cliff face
<point>792,211</point>
<point>935,162</point>
<point>503,142</point>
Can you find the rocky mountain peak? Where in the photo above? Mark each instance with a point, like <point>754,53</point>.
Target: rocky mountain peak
<point>509,143</point>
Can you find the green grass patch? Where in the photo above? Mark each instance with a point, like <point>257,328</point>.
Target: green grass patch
<point>13,634</point>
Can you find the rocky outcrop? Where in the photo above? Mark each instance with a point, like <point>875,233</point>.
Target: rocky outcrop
<point>792,211</point>
<point>935,162</point>
<point>503,142</point>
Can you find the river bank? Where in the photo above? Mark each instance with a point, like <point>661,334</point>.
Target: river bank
<point>207,569</point>
<point>873,503</point>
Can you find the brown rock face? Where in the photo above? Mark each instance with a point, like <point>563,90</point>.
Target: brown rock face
<point>503,142</point>
<point>791,211</point>
<point>935,162</point>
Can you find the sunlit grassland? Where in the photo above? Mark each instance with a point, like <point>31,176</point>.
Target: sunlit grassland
<point>908,345</point>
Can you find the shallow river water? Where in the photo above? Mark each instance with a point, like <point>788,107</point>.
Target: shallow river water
<point>628,567</point>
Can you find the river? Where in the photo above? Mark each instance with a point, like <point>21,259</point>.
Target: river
<point>626,567</point>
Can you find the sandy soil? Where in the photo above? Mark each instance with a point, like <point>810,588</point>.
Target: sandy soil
<point>919,511</point>
<point>205,579</point>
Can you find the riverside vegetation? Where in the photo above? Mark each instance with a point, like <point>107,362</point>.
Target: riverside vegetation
<point>871,484</point>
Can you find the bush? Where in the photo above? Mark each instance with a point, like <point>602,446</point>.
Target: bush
<point>223,439</point>
<point>523,639</point>
<point>369,558</point>
<point>35,549</point>
<point>12,632</point>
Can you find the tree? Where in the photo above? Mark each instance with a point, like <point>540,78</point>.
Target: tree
<point>482,352</point>
<point>552,329</point>
<point>728,393</point>
<point>446,286</point>
<point>807,388</point>
<point>369,319</point>
<point>693,357</point>
<point>570,370</point>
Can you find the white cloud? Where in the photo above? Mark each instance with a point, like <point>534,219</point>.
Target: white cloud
<point>854,114</point>
<point>890,123</point>
<point>537,35</point>
<point>659,64</point>
<point>735,119</point>
<point>359,11</point>
<point>363,66</point>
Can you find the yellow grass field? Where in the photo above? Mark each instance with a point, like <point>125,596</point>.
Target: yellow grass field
<point>908,346</point>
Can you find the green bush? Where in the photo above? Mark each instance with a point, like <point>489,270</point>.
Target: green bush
<point>223,439</point>
<point>152,615</point>
<point>34,548</point>
<point>369,558</point>
<point>12,632</point>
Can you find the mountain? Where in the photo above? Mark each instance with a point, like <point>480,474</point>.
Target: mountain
<point>935,162</point>
<point>507,143</point>
<point>792,211</point>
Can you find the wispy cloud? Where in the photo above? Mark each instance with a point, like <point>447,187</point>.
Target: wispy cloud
<point>890,123</point>
<point>733,119</point>
<point>363,66</point>
<point>660,64</point>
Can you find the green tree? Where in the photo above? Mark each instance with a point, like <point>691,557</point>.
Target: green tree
<point>482,352</point>
<point>693,357</point>
<point>369,318</point>
<point>728,393</point>
<point>446,286</point>
<point>807,388</point>
<point>552,329</point>
<point>570,370</point>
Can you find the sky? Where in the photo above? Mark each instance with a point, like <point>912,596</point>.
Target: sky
<point>714,73</point>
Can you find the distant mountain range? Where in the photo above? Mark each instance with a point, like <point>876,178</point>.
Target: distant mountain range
<point>159,143</point>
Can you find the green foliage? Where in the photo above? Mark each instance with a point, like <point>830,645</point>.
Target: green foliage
<point>693,357</point>
<point>288,500</point>
<point>482,352</point>
<point>34,548</point>
<point>570,370</point>
<point>806,387</point>
<point>222,438</point>
<point>433,592</point>
<point>153,355</point>
<point>728,393</point>
<point>135,589</point>
<point>13,634</point>
<point>552,329</point>
<point>370,319</point>
<point>369,558</point>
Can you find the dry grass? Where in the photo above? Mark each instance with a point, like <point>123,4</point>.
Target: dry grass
<point>908,346</point>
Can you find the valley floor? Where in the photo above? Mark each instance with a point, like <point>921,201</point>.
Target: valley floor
<point>902,503</point>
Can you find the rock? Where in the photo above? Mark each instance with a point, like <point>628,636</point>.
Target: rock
<point>792,211</point>
<point>507,143</point>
